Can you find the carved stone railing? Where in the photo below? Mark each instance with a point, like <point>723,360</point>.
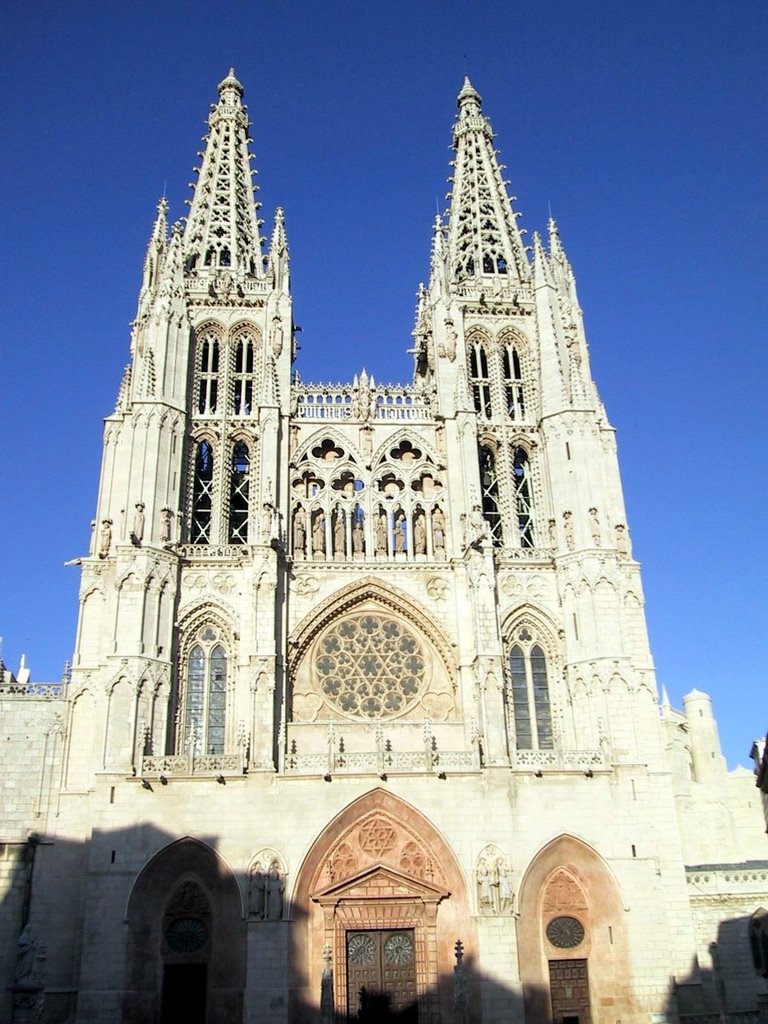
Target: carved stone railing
<point>387,762</point>
<point>543,555</point>
<point>185,765</point>
<point>48,691</point>
<point>558,760</point>
<point>214,552</point>
<point>344,402</point>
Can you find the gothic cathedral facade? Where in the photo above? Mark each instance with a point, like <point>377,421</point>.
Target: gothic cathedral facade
<point>362,722</point>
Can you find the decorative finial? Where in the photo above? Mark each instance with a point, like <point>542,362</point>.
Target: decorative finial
<point>468,93</point>
<point>231,82</point>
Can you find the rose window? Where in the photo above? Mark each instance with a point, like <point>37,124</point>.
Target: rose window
<point>565,932</point>
<point>370,666</point>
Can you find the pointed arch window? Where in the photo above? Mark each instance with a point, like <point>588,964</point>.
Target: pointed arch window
<point>243,377</point>
<point>479,379</point>
<point>238,494</point>
<point>202,494</point>
<point>514,395</point>
<point>530,693</point>
<point>209,374</point>
<point>205,705</point>
<point>523,497</point>
<point>489,487</point>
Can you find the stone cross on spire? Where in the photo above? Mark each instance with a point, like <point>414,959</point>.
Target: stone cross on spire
<point>483,237</point>
<point>223,229</point>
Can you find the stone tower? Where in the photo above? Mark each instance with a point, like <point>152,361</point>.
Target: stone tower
<point>362,711</point>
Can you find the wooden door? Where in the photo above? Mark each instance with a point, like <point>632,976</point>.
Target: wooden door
<point>569,990</point>
<point>381,976</point>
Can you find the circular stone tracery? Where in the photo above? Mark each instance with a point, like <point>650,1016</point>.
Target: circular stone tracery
<point>370,666</point>
<point>565,932</point>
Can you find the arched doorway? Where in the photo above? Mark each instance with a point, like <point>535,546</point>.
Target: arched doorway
<point>382,893</point>
<point>574,962</point>
<point>186,940</point>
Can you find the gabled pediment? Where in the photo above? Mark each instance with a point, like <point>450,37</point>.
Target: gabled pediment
<point>380,882</point>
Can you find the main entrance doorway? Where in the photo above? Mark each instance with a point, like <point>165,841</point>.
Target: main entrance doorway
<point>381,976</point>
<point>569,989</point>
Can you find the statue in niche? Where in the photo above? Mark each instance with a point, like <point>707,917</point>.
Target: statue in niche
<point>257,891</point>
<point>399,532</point>
<point>594,526</point>
<point>276,335</point>
<point>166,518</point>
<point>484,887</point>
<point>318,534</point>
<point>419,535</point>
<point>438,530</point>
<point>299,532</point>
<point>553,534</point>
<point>451,340</point>
<point>274,887</point>
<point>381,533</point>
<point>105,538</point>
<point>568,527</point>
<point>504,884</point>
<point>137,533</point>
<point>357,535</point>
<point>338,534</point>
<point>622,540</point>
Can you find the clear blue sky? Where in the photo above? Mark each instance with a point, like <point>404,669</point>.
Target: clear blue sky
<point>642,124</point>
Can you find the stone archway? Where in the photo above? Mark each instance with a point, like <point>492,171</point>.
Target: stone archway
<point>380,870</point>
<point>572,937</point>
<point>185,884</point>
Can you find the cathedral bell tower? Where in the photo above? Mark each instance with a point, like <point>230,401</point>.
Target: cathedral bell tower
<point>193,475</point>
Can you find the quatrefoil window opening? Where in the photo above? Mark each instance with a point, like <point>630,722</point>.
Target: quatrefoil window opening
<point>370,666</point>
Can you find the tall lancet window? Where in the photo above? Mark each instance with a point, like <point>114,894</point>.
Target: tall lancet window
<point>202,494</point>
<point>238,494</point>
<point>530,693</point>
<point>513,383</point>
<point>209,374</point>
<point>523,497</point>
<point>489,485</point>
<point>205,704</point>
<point>478,375</point>
<point>243,376</point>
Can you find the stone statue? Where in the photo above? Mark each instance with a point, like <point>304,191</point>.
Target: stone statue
<point>267,517</point>
<point>26,959</point>
<point>622,540</point>
<point>594,526</point>
<point>438,530</point>
<point>553,534</point>
<point>318,534</point>
<point>478,528</point>
<point>339,544</point>
<point>506,895</point>
<point>484,887</point>
<point>381,533</point>
<point>399,532</point>
<point>357,534</point>
<point>327,1001</point>
<point>451,339</point>
<point>166,518</point>
<point>299,532</point>
<point>277,336</point>
<point>256,891</point>
<point>419,535</point>
<point>137,534</point>
<point>274,893</point>
<point>105,539</point>
<point>568,527</point>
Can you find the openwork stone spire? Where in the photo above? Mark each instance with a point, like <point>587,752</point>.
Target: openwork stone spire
<point>483,237</point>
<point>223,230</point>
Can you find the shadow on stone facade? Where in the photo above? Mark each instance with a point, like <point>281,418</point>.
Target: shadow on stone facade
<point>136,926</point>
<point>729,989</point>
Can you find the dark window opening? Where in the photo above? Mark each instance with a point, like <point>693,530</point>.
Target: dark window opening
<point>202,494</point>
<point>489,486</point>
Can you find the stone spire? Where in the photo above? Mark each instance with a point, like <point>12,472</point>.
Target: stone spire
<point>223,230</point>
<point>483,237</point>
<point>153,260</point>
<point>278,259</point>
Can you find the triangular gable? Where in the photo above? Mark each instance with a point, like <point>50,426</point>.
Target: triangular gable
<point>382,883</point>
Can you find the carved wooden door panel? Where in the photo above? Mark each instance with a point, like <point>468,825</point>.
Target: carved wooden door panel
<point>381,976</point>
<point>569,990</point>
